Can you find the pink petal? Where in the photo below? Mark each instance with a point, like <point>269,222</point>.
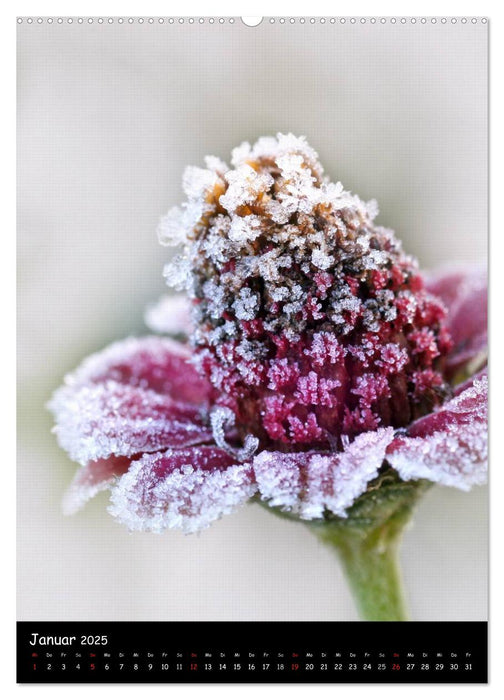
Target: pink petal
<point>171,314</point>
<point>307,484</point>
<point>186,489</point>
<point>160,364</point>
<point>469,382</point>
<point>99,420</point>
<point>448,446</point>
<point>465,294</point>
<point>446,283</point>
<point>90,480</point>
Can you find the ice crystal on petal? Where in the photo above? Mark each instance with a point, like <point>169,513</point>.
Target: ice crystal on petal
<point>394,356</point>
<point>342,478</point>
<point>448,446</point>
<point>244,229</point>
<point>116,419</point>
<point>159,364</point>
<point>279,477</point>
<point>92,479</point>
<point>309,484</point>
<point>186,489</point>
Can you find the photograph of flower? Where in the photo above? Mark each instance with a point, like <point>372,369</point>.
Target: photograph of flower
<point>292,424</point>
<point>317,373</point>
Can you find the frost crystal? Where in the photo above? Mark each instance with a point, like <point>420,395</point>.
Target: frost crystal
<point>309,484</point>
<point>90,480</point>
<point>448,446</point>
<point>158,364</point>
<point>222,419</point>
<point>115,419</point>
<point>186,489</point>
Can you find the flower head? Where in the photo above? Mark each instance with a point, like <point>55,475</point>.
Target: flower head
<point>318,356</point>
<point>310,322</point>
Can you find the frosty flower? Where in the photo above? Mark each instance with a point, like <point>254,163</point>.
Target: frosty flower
<point>319,365</point>
<point>318,359</point>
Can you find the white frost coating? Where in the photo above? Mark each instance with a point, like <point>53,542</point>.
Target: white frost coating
<point>106,419</point>
<point>394,356</point>
<point>187,498</point>
<point>246,304</point>
<point>197,181</point>
<point>274,218</point>
<point>171,230</point>
<point>170,314</point>
<point>244,186</point>
<point>456,454</point>
<point>244,228</point>
<point>372,209</point>
<point>308,484</point>
<point>321,259</point>
<point>122,353</point>
<point>82,489</point>
<point>270,147</point>
<point>151,362</point>
<point>216,164</point>
<point>90,480</point>
<point>178,273</point>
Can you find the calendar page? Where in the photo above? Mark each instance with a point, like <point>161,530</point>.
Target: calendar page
<point>252,315</point>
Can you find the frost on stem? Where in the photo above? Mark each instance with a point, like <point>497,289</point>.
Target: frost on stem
<point>309,320</point>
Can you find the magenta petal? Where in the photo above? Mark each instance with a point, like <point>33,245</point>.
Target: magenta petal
<point>160,364</point>
<point>469,382</point>
<point>171,314</point>
<point>465,295</point>
<point>100,420</point>
<point>186,489</point>
<point>448,446</point>
<point>307,484</point>
<point>446,283</point>
<point>90,480</point>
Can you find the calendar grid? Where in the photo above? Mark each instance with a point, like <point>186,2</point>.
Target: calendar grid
<point>76,652</point>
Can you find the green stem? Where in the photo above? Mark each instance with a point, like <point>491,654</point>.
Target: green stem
<point>372,569</point>
<point>367,542</point>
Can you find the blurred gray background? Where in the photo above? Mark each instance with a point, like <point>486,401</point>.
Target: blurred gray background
<point>108,117</point>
